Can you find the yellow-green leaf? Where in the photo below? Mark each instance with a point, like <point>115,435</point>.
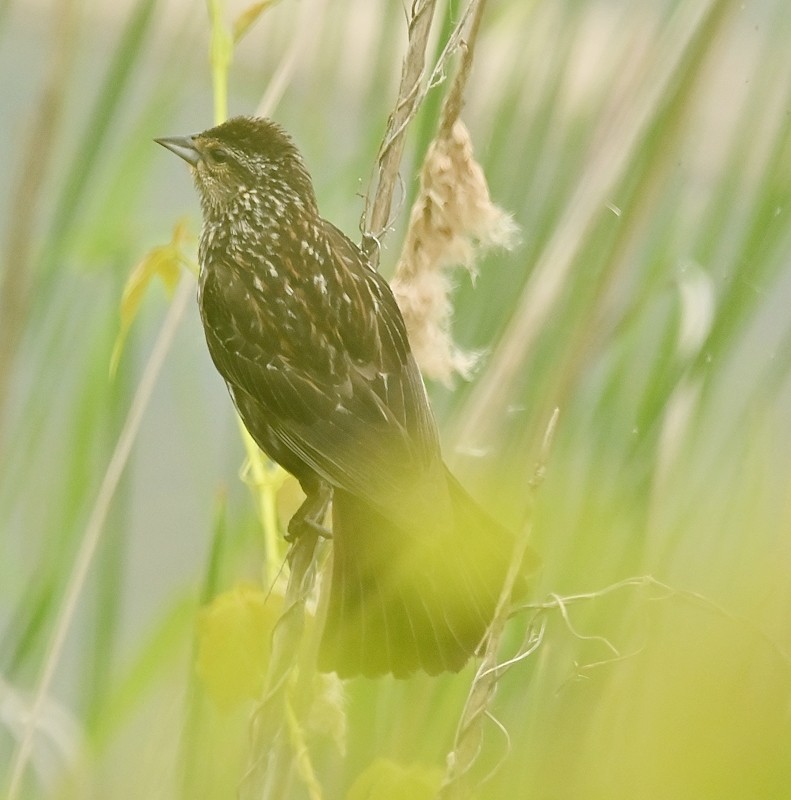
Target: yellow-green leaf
<point>165,262</point>
<point>234,643</point>
<point>249,17</point>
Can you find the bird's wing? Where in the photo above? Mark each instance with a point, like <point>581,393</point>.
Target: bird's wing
<point>343,393</point>
<point>381,338</point>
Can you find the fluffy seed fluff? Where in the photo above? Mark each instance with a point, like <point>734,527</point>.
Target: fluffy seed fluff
<point>452,222</point>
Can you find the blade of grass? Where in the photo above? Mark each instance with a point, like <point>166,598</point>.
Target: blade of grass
<point>93,532</point>
<point>686,41</point>
<point>97,128</point>
<point>16,275</point>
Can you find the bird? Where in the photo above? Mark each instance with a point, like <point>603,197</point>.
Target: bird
<point>314,351</point>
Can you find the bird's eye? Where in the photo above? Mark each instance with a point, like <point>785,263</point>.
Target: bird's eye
<point>218,155</point>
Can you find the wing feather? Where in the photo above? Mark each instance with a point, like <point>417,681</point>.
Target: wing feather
<point>351,405</point>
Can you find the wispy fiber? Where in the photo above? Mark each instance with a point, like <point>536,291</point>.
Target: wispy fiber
<point>452,222</point>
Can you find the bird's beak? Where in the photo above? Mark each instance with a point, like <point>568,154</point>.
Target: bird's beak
<point>182,146</point>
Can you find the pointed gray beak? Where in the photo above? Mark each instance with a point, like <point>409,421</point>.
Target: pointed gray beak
<point>182,146</point>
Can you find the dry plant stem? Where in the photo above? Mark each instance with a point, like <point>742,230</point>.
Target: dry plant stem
<point>469,734</point>
<point>452,221</point>
<point>291,755</point>
<point>16,277</point>
<point>412,92</point>
<point>454,102</point>
<point>271,758</point>
<point>377,212</point>
<point>302,760</point>
<point>93,530</point>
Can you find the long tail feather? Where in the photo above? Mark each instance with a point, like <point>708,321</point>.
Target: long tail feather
<point>408,599</point>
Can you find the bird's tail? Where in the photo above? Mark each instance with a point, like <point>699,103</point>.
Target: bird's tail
<point>408,599</point>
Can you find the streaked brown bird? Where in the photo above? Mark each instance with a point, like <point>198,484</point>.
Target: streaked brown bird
<point>313,349</point>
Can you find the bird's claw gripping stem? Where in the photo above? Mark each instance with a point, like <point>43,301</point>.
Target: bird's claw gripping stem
<point>309,517</point>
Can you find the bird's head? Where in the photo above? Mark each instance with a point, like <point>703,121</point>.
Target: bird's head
<point>246,165</point>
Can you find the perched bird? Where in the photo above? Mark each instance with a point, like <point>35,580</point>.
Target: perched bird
<point>313,349</point>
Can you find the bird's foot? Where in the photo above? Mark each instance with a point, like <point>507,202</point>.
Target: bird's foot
<point>309,517</point>
<point>299,527</point>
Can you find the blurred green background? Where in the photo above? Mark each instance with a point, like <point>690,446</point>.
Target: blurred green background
<point>644,150</point>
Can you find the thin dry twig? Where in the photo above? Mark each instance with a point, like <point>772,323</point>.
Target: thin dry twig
<point>452,221</point>
<point>411,94</point>
<point>470,731</point>
<point>454,102</point>
<point>477,711</point>
<point>271,755</point>
<point>377,211</point>
<point>561,606</point>
<point>667,592</point>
